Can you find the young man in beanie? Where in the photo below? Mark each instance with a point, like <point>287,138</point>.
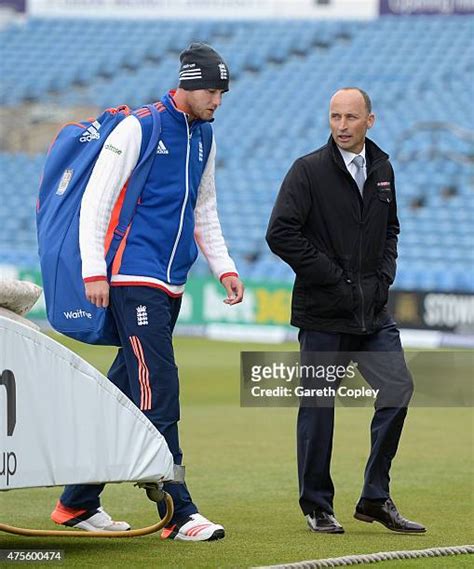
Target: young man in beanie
<point>177,209</point>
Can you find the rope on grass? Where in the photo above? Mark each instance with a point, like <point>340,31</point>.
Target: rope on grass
<point>375,557</point>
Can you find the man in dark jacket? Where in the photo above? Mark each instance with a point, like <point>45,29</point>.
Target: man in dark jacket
<point>335,223</point>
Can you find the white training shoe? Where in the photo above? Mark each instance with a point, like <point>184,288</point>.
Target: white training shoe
<point>89,520</point>
<point>194,528</point>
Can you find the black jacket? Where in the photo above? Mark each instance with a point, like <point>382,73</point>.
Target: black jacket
<point>342,248</point>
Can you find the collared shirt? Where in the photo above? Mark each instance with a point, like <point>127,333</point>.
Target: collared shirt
<point>349,156</point>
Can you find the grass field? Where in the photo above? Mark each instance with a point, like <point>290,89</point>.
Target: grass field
<point>241,470</point>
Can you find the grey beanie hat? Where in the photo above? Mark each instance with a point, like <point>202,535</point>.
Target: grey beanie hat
<point>202,68</point>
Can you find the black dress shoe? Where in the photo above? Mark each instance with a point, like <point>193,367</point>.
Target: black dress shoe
<point>323,522</point>
<point>387,514</point>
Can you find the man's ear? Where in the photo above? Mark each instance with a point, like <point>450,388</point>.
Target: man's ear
<point>371,120</point>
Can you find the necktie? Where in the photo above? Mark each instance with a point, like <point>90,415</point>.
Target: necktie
<point>359,176</point>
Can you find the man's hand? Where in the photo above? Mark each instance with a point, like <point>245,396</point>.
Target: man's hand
<point>97,292</point>
<point>235,290</point>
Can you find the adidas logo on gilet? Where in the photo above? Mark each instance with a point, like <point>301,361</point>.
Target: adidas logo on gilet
<point>162,148</point>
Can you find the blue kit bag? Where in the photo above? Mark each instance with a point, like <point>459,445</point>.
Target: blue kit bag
<point>69,164</point>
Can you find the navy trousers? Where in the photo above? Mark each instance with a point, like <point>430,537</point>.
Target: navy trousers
<point>315,425</point>
<point>145,371</point>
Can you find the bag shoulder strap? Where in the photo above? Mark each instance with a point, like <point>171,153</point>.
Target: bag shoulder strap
<point>136,184</point>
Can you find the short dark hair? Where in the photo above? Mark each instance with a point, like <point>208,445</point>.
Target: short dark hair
<point>368,102</point>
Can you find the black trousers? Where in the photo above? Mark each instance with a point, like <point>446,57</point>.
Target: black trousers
<point>315,426</point>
